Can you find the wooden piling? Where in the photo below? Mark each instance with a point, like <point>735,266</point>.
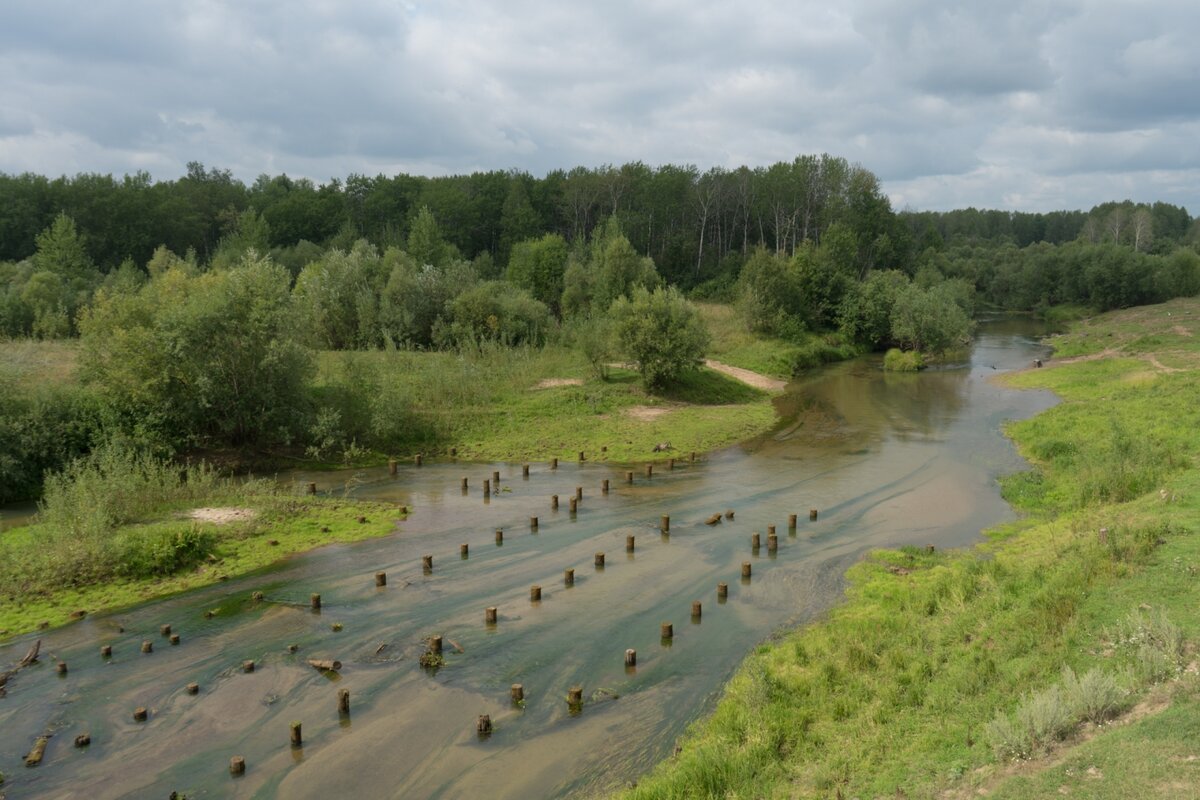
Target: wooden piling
<point>106,651</point>
<point>535,594</point>
<point>665,523</point>
<point>483,725</point>
<point>312,488</point>
<point>554,502</point>
<point>256,596</point>
<point>554,463</point>
<point>297,738</point>
<point>524,470</point>
<point>517,693</point>
<point>464,550</point>
<point>575,696</point>
<point>574,505</point>
<point>61,667</point>
<point>37,751</point>
<point>487,487</point>
<point>192,688</point>
<point>745,569</point>
<point>464,484</point>
<point>649,470</point>
<point>631,657</point>
<point>343,701</point>
<point>770,531</point>
<point>418,459</point>
<point>140,714</point>
<point>435,644</point>
<point>604,486</point>
<point>248,666</point>
<point>812,513</point>
<point>499,536</point>
<point>453,451</point>
<point>670,463</point>
<point>174,638</point>
<point>427,564</point>
<point>600,560</point>
<point>392,466</point>
<point>314,600</point>
<point>381,579</point>
<point>489,615</point>
<point>667,630</point>
<point>754,541</point>
<point>722,590</point>
<point>629,477</point>
<point>496,479</point>
<point>629,543</point>
<point>791,522</point>
<point>696,609</point>
<point>83,740</point>
<point>533,523</point>
<point>164,630</point>
<point>578,492</point>
<point>569,577</point>
<point>581,456</point>
<point>147,646</point>
<point>772,542</point>
<point>237,766</point>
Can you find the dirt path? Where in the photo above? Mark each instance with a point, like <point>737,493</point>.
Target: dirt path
<point>755,379</point>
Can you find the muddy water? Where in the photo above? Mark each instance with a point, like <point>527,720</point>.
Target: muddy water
<point>887,460</point>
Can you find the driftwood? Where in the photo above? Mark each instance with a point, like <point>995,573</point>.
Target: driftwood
<point>330,665</point>
<point>30,658</point>
<point>455,645</point>
<point>713,520</point>
<point>39,749</point>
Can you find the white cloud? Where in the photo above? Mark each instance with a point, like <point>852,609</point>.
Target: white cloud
<point>1034,104</point>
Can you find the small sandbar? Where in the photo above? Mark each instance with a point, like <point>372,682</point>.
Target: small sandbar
<point>222,516</point>
<point>551,383</point>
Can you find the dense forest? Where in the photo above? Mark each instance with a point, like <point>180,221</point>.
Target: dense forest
<point>201,304</point>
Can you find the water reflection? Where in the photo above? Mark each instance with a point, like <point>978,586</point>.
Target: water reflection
<point>886,459</point>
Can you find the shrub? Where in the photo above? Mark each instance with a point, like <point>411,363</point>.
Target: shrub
<point>1095,697</point>
<point>1042,718</point>
<point>160,551</point>
<point>661,333</point>
<point>897,360</point>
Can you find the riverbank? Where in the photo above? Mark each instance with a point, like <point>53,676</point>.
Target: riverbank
<point>939,667</point>
<point>260,530</point>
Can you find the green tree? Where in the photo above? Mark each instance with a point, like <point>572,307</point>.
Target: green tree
<point>660,332</point>
<point>207,359</point>
<point>928,320</point>
<point>425,241</point>
<point>537,265</point>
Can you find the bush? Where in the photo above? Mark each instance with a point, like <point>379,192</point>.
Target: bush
<point>1095,697</point>
<point>896,360</point>
<point>160,551</point>
<point>661,333</point>
<point>1042,718</point>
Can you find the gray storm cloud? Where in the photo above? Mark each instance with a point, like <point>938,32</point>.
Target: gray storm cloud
<point>1031,105</point>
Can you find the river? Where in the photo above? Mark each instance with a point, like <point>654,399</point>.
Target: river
<point>886,459</point>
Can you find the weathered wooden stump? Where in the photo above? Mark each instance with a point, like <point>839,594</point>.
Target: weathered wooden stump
<point>427,564</point>
<point>600,560</point>
<point>604,486</point>
<point>696,609</point>
<point>83,740</point>
<point>483,725</point>
<point>791,522</point>
<point>164,630</point>
<point>325,664</point>
<point>174,639</point>
<point>631,657</point>
<point>435,644</point>
<point>297,738</point>
<point>665,523</point>
<point>629,477</point>
<point>140,714</point>
<point>772,542</point>
<point>533,523</point>
<point>714,519</point>
<point>312,488</point>
<point>745,569</point>
<point>464,550</point>
<point>314,601</point>
<point>535,594</point>
<point>106,651</point>
<point>392,466</point>
<point>499,536</point>
<point>629,543</point>
<point>524,470</point>
<point>34,757</point>
<point>237,766</point>
<point>192,688</point>
<point>248,666</point>
<point>517,693</point>
<point>381,579</point>
<point>667,630</point>
<point>754,542</point>
<point>554,463</point>
<point>419,458</point>
<point>575,696</point>
<point>722,590</point>
<point>812,513</point>
<point>147,646</point>
<point>569,577</point>
<point>343,701</point>
<point>489,615</point>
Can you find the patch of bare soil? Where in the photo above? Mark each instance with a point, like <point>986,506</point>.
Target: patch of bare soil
<point>755,379</point>
<point>222,516</point>
<point>646,413</point>
<point>550,383</point>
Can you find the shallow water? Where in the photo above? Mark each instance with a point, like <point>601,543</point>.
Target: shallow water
<point>887,459</point>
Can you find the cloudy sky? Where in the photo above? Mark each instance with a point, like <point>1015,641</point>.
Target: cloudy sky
<point>1022,105</point>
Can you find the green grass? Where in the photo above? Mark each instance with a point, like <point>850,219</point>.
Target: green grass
<point>499,404</point>
<point>893,693</point>
<point>294,524</point>
<point>733,344</point>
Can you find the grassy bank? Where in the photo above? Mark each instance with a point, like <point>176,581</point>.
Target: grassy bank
<point>733,344</point>
<point>119,529</point>
<point>944,674</point>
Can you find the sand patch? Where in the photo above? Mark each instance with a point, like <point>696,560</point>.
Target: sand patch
<point>646,413</point>
<point>1181,331</point>
<point>550,383</point>
<point>755,379</point>
<point>222,516</point>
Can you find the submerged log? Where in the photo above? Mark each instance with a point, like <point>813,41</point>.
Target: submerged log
<point>326,665</point>
<point>38,750</point>
<point>715,519</point>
